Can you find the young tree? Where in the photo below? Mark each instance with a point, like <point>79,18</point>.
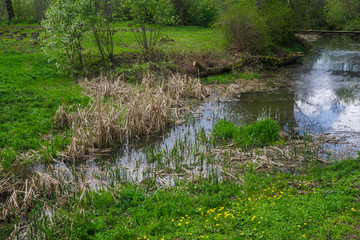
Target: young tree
<point>149,16</point>
<point>70,24</point>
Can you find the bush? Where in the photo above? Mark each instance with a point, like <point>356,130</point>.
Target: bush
<point>200,12</point>
<point>149,15</point>
<point>253,28</point>
<point>244,27</point>
<point>72,23</point>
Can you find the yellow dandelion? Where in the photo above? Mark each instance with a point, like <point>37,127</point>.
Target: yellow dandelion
<point>187,222</point>
<point>259,222</point>
<point>242,233</point>
<point>190,234</point>
<point>305,224</point>
<point>217,225</point>
<point>303,235</point>
<point>179,224</point>
<point>172,220</point>
<point>254,229</point>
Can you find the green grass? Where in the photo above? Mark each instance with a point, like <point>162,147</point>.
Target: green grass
<point>186,40</point>
<point>320,204</point>
<point>262,133</point>
<point>229,78</point>
<point>31,91</point>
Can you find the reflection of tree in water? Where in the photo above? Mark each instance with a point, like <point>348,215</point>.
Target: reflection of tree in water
<point>347,94</point>
<point>254,106</point>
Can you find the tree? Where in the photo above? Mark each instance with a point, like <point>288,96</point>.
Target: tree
<point>73,22</point>
<point>149,16</point>
<point>8,9</point>
<point>343,14</point>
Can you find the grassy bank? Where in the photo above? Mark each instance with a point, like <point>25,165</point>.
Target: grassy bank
<point>199,188</point>
<point>319,204</point>
<point>31,91</point>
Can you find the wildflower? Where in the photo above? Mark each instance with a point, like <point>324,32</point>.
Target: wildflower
<point>299,226</point>
<point>258,222</point>
<point>172,220</point>
<point>305,224</point>
<point>181,220</point>
<point>190,234</point>
<point>303,235</point>
<point>162,239</point>
<point>179,224</point>
<point>202,236</point>
<point>352,209</point>
<point>217,225</point>
<point>253,218</point>
<point>242,233</point>
<point>205,226</point>
<point>187,222</point>
<point>254,229</point>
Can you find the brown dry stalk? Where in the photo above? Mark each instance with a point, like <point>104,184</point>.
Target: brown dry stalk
<point>120,110</point>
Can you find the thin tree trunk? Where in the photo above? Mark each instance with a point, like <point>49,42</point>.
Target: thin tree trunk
<point>10,10</point>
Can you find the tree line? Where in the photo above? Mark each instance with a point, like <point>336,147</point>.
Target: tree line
<point>305,14</point>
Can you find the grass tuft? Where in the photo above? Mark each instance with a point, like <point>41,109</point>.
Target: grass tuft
<point>262,133</point>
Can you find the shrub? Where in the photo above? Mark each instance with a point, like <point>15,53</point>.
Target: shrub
<point>149,15</point>
<point>253,28</point>
<point>200,12</point>
<point>71,24</point>
<point>244,27</point>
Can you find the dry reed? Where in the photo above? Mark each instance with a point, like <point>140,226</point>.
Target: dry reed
<point>120,110</point>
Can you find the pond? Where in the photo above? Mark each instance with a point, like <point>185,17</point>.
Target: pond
<point>322,96</point>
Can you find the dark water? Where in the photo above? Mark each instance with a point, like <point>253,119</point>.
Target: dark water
<point>323,96</point>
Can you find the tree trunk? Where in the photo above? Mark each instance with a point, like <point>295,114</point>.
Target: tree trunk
<point>10,10</point>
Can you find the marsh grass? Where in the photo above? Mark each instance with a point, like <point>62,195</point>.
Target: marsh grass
<point>120,111</point>
<point>258,134</point>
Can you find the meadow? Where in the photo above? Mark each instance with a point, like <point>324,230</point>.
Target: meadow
<point>239,182</point>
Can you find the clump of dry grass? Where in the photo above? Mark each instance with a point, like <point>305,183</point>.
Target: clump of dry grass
<point>120,110</point>
<point>290,154</point>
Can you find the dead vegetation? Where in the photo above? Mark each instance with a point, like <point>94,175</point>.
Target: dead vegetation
<point>292,154</point>
<point>120,110</point>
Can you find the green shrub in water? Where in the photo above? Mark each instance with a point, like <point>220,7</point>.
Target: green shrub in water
<point>261,133</point>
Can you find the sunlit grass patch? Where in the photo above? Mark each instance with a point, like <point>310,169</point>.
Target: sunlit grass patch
<point>231,77</point>
<point>261,133</point>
